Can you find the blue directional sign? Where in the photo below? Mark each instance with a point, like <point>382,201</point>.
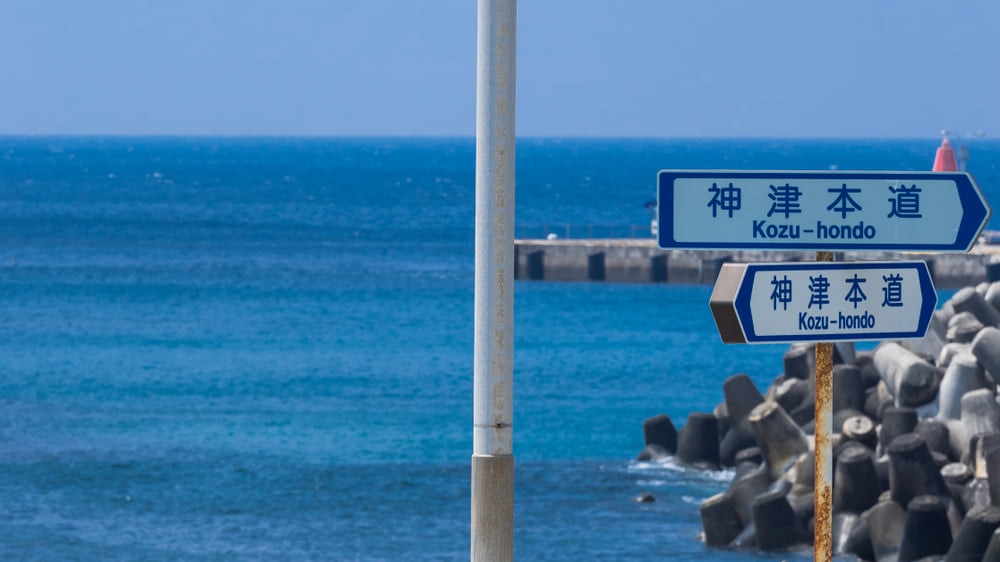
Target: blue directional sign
<point>794,210</point>
<point>825,301</point>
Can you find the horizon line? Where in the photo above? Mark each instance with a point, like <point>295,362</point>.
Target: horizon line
<point>237,136</point>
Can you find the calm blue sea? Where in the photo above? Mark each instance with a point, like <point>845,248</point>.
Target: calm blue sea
<point>261,348</point>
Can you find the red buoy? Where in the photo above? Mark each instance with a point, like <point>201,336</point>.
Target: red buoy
<point>944,160</point>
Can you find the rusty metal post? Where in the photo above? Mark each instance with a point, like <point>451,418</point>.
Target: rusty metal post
<point>493,356</point>
<point>823,538</point>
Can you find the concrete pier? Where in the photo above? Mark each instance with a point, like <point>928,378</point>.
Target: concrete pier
<point>641,261</point>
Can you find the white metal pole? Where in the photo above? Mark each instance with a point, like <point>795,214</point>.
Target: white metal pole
<point>493,456</point>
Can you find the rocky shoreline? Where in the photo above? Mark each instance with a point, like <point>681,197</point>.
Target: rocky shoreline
<point>916,445</point>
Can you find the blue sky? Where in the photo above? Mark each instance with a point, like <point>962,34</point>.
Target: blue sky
<point>663,68</point>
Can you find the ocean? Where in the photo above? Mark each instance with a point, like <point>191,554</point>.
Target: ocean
<point>261,348</point>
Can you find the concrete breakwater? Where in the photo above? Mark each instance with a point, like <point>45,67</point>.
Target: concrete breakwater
<point>641,261</point>
<point>916,445</point>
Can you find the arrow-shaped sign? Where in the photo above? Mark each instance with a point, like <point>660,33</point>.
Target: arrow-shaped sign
<point>794,210</point>
<point>824,302</point>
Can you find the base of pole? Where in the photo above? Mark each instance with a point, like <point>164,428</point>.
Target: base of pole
<point>492,508</point>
